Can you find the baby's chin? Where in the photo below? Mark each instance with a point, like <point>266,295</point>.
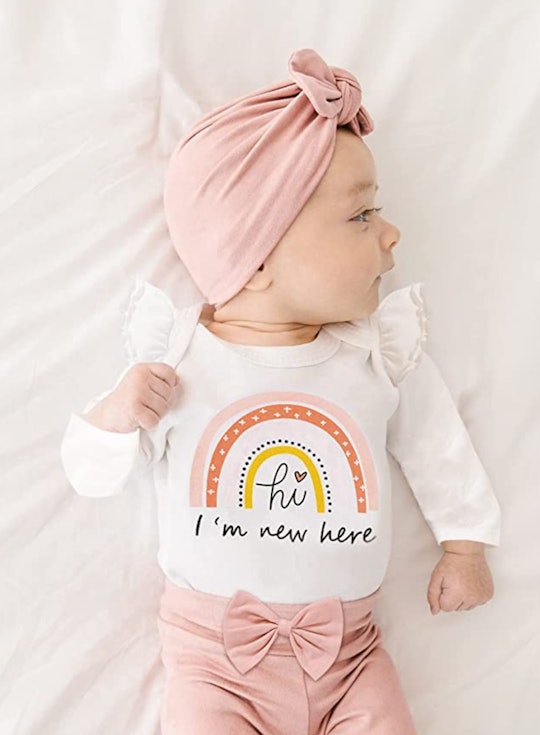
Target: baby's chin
<point>368,310</point>
<point>371,304</point>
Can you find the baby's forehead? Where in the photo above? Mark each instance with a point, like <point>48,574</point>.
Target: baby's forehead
<point>351,172</point>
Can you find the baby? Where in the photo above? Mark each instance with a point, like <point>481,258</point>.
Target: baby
<point>266,411</point>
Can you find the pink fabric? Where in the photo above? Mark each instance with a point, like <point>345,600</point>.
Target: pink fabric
<point>250,627</point>
<point>238,179</point>
<point>360,694</point>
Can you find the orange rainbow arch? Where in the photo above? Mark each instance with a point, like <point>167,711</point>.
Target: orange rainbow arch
<point>204,486</point>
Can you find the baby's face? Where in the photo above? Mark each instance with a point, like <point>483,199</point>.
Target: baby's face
<point>327,266</point>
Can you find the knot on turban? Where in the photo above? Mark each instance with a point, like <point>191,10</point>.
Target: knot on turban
<point>238,179</point>
<point>333,92</point>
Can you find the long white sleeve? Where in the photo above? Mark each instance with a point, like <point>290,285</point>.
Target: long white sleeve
<point>98,463</point>
<point>429,440</point>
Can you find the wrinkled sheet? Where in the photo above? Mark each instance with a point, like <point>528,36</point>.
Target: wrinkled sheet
<point>93,97</point>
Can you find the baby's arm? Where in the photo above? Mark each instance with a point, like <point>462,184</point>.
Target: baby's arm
<point>120,432</point>
<point>428,438</point>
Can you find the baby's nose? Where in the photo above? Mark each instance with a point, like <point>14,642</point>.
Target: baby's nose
<point>396,235</point>
<point>391,237</point>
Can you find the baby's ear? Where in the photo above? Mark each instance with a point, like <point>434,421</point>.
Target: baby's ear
<point>259,282</point>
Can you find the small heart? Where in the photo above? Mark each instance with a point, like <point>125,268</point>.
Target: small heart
<point>299,475</point>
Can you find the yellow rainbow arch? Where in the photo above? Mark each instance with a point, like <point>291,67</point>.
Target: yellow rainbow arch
<point>312,470</point>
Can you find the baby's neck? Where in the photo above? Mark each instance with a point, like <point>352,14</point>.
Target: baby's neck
<point>257,333</point>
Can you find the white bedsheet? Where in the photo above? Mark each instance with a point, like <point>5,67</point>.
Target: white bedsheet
<point>93,97</point>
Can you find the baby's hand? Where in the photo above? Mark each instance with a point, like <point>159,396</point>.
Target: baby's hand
<point>145,394</point>
<point>460,582</point>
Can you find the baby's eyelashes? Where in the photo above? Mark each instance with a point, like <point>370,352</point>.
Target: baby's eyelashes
<point>367,212</point>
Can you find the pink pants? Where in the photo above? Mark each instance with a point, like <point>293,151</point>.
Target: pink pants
<point>360,694</point>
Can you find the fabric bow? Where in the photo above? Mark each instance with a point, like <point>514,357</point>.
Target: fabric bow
<point>332,91</point>
<point>250,627</point>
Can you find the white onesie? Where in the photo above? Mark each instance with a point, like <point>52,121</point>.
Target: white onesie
<point>271,469</point>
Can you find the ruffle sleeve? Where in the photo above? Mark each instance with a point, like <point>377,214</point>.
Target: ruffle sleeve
<point>426,434</point>
<point>401,324</point>
<point>154,329</point>
<point>147,324</point>
<point>394,334</point>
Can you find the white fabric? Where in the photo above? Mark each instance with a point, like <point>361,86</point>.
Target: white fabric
<point>271,469</point>
<point>93,97</point>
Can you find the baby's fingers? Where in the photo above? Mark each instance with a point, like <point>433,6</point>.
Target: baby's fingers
<point>451,599</point>
<point>434,591</point>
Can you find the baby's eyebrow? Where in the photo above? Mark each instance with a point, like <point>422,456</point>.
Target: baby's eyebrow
<point>360,186</point>
<point>354,194</point>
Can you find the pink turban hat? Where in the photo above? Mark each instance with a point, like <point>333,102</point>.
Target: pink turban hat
<point>241,175</point>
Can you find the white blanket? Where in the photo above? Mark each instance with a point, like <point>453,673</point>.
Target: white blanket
<point>93,97</point>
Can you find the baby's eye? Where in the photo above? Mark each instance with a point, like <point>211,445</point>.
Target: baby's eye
<point>367,211</point>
